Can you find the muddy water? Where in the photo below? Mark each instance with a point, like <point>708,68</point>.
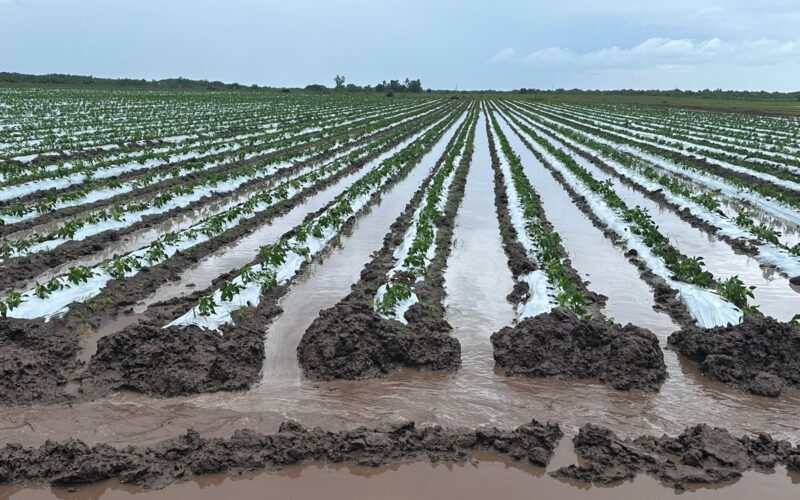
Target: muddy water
<point>202,274</point>
<point>773,292</point>
<point>474,395</point>
<point>491,477</point>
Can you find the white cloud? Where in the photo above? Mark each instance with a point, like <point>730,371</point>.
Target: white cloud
<point>663,52</point>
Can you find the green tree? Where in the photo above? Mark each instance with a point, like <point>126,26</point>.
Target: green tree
<point>339,81</point>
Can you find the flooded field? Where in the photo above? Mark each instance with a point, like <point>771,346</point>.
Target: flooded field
<point>377,286</point>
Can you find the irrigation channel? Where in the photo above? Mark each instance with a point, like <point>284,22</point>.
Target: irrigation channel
<point>242,327</point>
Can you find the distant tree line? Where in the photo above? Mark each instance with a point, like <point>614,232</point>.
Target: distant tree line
<point>708,93</point>
<point>392,86</point>
<point>167,83</point>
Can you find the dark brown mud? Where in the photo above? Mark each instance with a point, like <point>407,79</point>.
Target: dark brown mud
<point>518,260</point>
<point>761,355</point>
<point>352,341</point>
<point>72,462</point>
<point>212,363</point>
<point>560,344</point>
<point>36,360</point>
<point>701,454</point>
<point>233,362</point>
<point>665,297</point>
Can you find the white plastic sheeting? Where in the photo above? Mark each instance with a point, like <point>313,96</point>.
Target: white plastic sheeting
<point>250,294</point>
<point>774,207</point>
<point>707,307</point>
<point>768,253</point>
<point>541,296</point>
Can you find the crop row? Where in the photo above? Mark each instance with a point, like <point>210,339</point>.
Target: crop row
<point>414,254</point>
<point>711,302</point>
<point>81,283</point>
<point>278,262</point>
<point>704,203</point>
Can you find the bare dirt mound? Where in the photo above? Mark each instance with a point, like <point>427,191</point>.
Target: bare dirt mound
<point>175,361</point>
<point>701,454</point>
<point>36,360</point>
<point>761,355</point>
<point>351,341</point>
<point>562,345</point>
<point>73,462</point>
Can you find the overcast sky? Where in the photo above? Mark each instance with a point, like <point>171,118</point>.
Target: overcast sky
<point>471,44</point>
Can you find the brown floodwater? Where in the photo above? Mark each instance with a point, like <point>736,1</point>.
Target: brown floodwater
<point>477,281</point>
<point>491,476</point>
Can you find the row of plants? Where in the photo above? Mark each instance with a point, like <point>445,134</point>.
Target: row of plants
<point>764,172</point>
<point>684,269</point>
<point>414,262</point>
<point>694,140</point>
<point>121,267</point>
<point>176,164</point>
<point>139,153</point>
<point>547,243</point>
<point>763,189</point>
<point>192,190</point>
<point>218,118</point>
<point>684,190</point>
<point>278,262</point>
<point>720,127</point>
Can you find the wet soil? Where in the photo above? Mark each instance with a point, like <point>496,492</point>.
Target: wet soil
<point>352,341</point>
<point>72,462</point>
<point>561,344</point>
<point>215,362</point>
<point>695,161</point>
<point>700,454</point>
<point>36,360</point>
<point>490,476</point>
<point>761,355</point>
<point>233,363</point>
<point>772,290</point>
<point>20,269</point>
<point>740,246</point>
<point>666,298</point>
<point>518,260</point>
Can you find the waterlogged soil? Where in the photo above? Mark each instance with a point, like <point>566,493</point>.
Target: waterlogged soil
<point>746,355</point>
<point>772,291</point>
<point>87,323</point>
<point>562,345</point>
<point>665,297</point>
<point>519,261</point>
<point>21,269</point>
<point>490,476</point>
<point>699,163</point>
<point>475,395</point>
<point>700,454</point>
<point>352,341</point>
<point>72,462</point>
<point>228,360</point>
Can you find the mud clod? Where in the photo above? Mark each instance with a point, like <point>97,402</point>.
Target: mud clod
<point>36,360</point>
<point>701,454</point>
<point>562,345</point>
<point>175,361</point>
<point>72,462</point>
<point>761,355</point>
<point>351,341</point>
